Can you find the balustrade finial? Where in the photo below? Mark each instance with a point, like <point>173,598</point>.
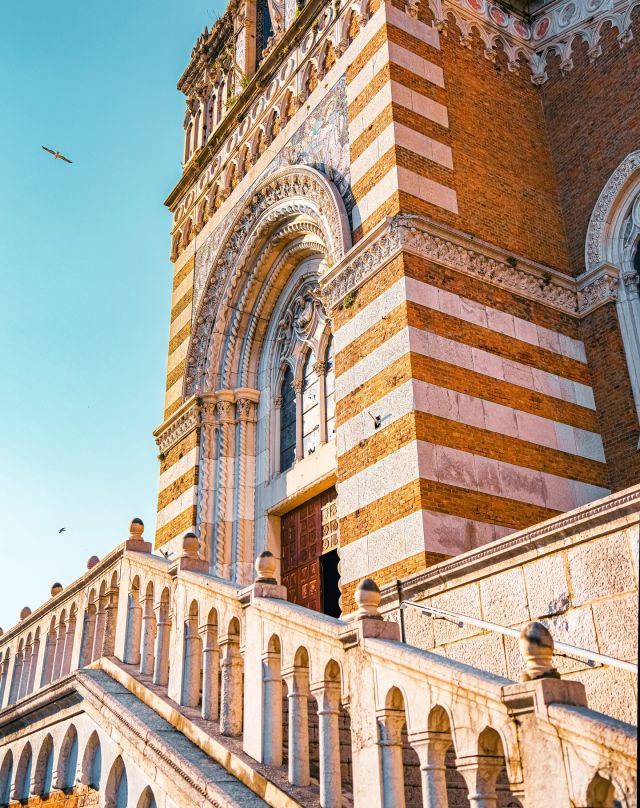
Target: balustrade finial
<point>92,562</point>
<point>136,529</point>
<point>266,568</point>
<point>368,597</point>
<point>56,589</point>
<point>1,632</point>
<point>25,612</point>
<point>191,546</point>
<point>536,646</point>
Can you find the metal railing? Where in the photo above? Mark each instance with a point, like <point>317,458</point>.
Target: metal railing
<point>560,648</point>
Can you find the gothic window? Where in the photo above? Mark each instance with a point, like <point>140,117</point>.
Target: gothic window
<point>310,406</point>
<point>264,28</point>
<point>329,390</point>
<point>219,105</point>
<point>187,143</point>
<point>287,421</point>
<point>196,132</point>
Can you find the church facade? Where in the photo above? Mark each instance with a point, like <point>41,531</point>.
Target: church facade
<point>405,318</point>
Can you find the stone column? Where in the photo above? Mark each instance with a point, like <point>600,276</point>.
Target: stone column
<point>134,631</point>
<point>18,662</point>
<point>49,656</point>
<point>68,645</point>
<point>328,698</point>
<point>88,634</point>
<point>243,521</point>
<point>431,748</point>
<point>297,386</point>
<point>231,692</point>
<point>110,623</point>
<point>272,715</point>
<point>57,659</point>
<point>161,655</point>
<point>390,724</point>
<point>210,675</point>
<point>192,665</point>
<point>480,773</point>
<point>275,435</point>
<point>24,673</point>
<point>147,656</point>
<point>320,368</point>
<point>98,633</point>
<point>298,749</point>
<point>35,663</point>
<point>223,519</point>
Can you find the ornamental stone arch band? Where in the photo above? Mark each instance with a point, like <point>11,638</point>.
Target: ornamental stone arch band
<point>294,204</point>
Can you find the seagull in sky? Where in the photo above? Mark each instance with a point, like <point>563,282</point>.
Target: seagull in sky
<point>57,155</point>
<point>62,530</point>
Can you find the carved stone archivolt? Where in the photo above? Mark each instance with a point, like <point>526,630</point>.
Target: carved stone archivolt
<point>292,194</point>
<point>449,248</point>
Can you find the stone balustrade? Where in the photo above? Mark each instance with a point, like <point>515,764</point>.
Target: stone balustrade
<point>344,705</point>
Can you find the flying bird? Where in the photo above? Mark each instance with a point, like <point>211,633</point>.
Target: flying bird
<point>57,155</point>
<point>62,530</point>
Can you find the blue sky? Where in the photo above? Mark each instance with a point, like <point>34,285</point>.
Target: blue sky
<point>85,275</point>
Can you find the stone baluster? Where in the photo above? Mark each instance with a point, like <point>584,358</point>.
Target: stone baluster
<point>35,658</point>
<point>161,655</point>
<point>390,742</point>
<point>272,717</point>
<point>191,667</point>
<point>431,748</point>
<point>98,634</point>
<point>49,656</point>
<point>110,622</point>
<point>134,630</point>
<point>210,674</point>
<point>88,635</point>
<point>231,690</point>
<point>298,748</point>
<point>24,673</point>
<point>480,773</point>
<point>328,698</point>
<point>68,645</point>
<point>57,660</point>
<point>147,643</point>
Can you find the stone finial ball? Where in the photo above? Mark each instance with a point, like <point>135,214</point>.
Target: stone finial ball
<point>25,612</point>
<point>92,562</point>
<point>266,566</point>
<point>136,528</point>
<point>368,597</point>
<point>191,545</point>
<point>536,646</point>
<point>56,589</point>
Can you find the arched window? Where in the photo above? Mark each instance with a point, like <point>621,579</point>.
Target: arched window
<point>287,421</point>
<point>92,762</point>
<point>187,142</point>
<point>310,406</point>
<point>264,28</point>
<point>117,791</point>
<point>6,773</point>
<point>22,785</point>
<point>330,390</point>
<point>196,132</point>
<point>68,763</point>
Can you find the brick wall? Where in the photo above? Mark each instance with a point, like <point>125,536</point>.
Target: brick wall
<point>593,121</point>
<point>79,798</point>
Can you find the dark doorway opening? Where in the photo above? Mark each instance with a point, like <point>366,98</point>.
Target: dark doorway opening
<point>330,583</point>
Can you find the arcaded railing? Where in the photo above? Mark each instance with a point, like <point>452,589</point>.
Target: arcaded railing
<point>342,704</point>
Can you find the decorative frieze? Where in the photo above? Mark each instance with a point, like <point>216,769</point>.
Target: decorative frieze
<point>181,423</point>
<point>451,248</point>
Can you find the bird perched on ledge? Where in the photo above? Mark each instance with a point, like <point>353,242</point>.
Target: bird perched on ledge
<point>57,155</point>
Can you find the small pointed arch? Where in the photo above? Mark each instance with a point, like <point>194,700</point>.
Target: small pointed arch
<point>289,106</point>
<point>601,792</point>
<point>186,232</point>
<point>43,780</point>
<point>394,700</point>
<point>6,775</point>
<point>234,629</point>
<point>493,772</point>
<point>287,403</point>
<point>165,607</point>
<point>68,760</point>
<point>439,720</point>
<point>134,590</point>
<point>274,646</point>
<point>194,613</point>
<point>332,671</point>
<point>22,783</point>
<point>92,762</point>
<point>117,789</point>
<point>187,142</point>
<point>149,591</point>
<point>244,161</point>
<point>275,124</point>
<point>260,143</point>
<point>147,800</point>
<point>353,27</point>
<point>103,590</point>
<point>329,57</point>
<point>311,77</point>
<point>301,658</point>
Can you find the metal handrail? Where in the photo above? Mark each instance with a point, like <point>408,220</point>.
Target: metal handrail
<point>591,656</point>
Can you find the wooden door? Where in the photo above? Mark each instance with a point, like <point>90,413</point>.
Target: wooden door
<point>301,532</point>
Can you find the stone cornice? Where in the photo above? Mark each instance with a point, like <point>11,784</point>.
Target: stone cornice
<point>597,287</point>
<point>621,507</point>
<point>450,248</point>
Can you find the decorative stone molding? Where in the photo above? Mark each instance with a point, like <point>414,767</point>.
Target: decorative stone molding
<point>181,423</point>
<point>596,243</point>
<point>297,191</point>
<point>597,287</point>
<point>453,249</point>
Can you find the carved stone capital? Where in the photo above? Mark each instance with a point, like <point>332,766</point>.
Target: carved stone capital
<point>596,288</point>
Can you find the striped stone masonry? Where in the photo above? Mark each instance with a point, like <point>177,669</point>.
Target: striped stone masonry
<point>479,383</point>
<point>401,157</point>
